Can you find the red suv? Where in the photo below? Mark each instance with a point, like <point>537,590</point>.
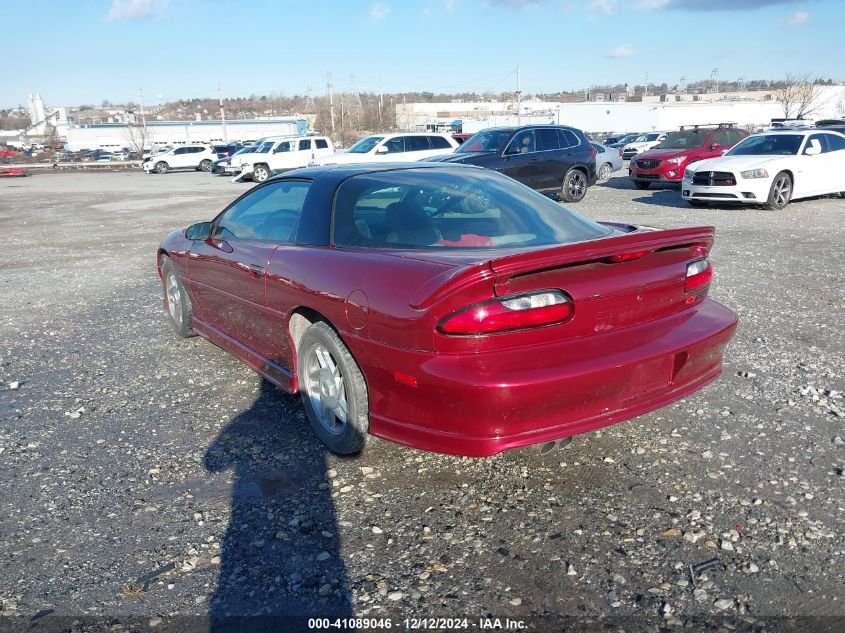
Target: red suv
<point>666,162</point>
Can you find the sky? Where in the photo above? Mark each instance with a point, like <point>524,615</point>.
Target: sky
<point>86,51</point>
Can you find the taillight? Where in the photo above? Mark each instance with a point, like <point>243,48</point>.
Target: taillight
<point>518,312</point>
<point>593,151</point>
<point>699,274</point>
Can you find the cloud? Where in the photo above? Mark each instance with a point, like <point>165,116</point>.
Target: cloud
<point>800,18</point>
<point>712,5</point>
<point>601,6</point>
<point>623,50</point>
<point>130,10</point>
<point>449,5</point>
<point>379,12</point>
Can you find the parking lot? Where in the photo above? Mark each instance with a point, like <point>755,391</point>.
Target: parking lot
<point>146,476</point>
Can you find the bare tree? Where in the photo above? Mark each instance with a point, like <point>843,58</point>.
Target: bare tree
<point>797,96</point>
<point>137,137</point>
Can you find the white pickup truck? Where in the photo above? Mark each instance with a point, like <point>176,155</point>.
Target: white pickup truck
<point>287,153</point>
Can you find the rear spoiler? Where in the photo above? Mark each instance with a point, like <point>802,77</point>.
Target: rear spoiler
<point>501,269</point>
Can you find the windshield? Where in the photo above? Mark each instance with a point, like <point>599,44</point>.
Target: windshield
<point>264,147</point>
<point>684,140</point>
<point>365,145</point>
<point>485,141</point>
<point>246,150</point>
<point>456,208</point>
<point>768,144</point>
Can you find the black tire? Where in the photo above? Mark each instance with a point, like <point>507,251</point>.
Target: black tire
<point>780,192</point>
<point>317,381</point>
<point>161,167</point>
<point>180,311</point>
<point>642,184</point>
<point>574,186</point>
<point>605,171</point>
<point>205,165</point>
<point>260,173</point>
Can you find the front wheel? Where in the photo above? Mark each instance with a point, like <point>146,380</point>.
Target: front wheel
<point>161,167</point>
<point>642,184</point>
<point>605,171</point>
<point>574,186</point>
<point>176,299</point>
<point>780,192</point>
<point>260,173</point>
<point>333,390</point>
<point>205,165</point>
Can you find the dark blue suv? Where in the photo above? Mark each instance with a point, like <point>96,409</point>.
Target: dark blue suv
<point>549,158</point>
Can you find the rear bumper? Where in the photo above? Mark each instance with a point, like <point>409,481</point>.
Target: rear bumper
<point>482,404</point>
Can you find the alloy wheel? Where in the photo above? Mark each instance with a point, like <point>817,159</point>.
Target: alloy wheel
<point>326,390</point>
<point>577,185</point>
<point>174,299</point>
<point>782,190</point>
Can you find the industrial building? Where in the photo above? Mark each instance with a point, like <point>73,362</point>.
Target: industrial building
<point>112,136</point>
<point>656,112</point>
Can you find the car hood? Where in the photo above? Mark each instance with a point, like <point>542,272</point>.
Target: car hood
<point>736,163</point>
<point>665,154</point>
<point>468,158</point>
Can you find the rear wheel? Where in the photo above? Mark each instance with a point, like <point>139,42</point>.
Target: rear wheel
<point>205,165</point>
<point>333,390</point>
<point>260,173</point>
<point>642,184</point>
<point>176,299</point>
<point>161,167</point>
<point>780,192</point>
<point>605,171</point>
<point>574,186</point>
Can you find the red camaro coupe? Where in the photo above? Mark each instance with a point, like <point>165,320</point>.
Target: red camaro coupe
<point>447,307</point>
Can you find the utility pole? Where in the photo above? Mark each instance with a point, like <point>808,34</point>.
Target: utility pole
<point>380,105</point>
<point>683,83</point>
<point>518,97</point>
<point>141,107</point>
<point>331,99</point>
<point>645,90</point>
<point>714,76</point>
<point>222,112</point>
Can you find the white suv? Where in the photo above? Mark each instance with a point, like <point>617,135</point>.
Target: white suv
<point>402,146</point>
<point>643,143</point>
<point>287,153</point>
<point>197,157</point>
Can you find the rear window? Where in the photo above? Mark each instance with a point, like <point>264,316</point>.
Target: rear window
<point>433,209</point>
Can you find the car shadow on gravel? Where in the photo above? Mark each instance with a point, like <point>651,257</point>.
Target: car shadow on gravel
<point>663,198</point>
<point>279,560</point>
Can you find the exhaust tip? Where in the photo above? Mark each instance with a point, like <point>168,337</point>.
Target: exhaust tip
<point>548,447</point>
<point>562,444</point>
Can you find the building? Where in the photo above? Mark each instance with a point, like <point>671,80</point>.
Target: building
<point>112,136</point>
<point>654,112</point>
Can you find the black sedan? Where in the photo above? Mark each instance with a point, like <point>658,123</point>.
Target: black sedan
<point>548,158</point>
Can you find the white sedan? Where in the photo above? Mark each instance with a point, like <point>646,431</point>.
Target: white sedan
<point>770,169</point>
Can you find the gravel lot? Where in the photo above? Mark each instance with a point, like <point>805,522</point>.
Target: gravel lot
<point>126,452</point>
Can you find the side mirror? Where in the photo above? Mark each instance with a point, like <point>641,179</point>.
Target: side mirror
<point>381,149</point>
<point>724,151</point>
<point>714,147</point>
<point>511,150</point>
<point>199,231</point>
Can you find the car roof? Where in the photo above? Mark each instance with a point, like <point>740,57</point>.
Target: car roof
<point>342,172</point>
<point>516,128</point>
<point>394,134</point>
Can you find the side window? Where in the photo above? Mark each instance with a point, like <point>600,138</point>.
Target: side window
<point>438,142</point>
<point>522,143</point>
<point>547,139</point>
<point>322,143</point>
<point>416,143</point>
<point>283,147</point>
<point>268,213</point>
<point>835,143</point>
<point>568,138</point>
<point>395,145</point>
<point>180,150</point>
<point>305,145</point>
<point>722,137</point>
<point>820,139</point>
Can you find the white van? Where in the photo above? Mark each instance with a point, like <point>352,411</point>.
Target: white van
<point>287,153</point>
